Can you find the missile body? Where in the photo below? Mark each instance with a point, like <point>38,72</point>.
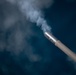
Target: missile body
<point>60,45</point>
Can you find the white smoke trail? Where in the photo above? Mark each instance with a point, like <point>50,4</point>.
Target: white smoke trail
<point>33,14</point>
<point>32,10</point>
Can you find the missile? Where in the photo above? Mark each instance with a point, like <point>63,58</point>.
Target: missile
<point>60,45</point>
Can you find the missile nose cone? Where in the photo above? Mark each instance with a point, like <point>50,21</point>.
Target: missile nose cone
<point>50,37</point>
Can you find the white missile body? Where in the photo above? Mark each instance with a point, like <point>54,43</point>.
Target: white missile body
<point>60,45</point>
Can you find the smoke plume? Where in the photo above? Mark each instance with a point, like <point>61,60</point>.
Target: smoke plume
<point>15,28</point>
<point>32,10</point>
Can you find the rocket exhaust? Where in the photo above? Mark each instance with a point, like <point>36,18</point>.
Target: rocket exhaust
<point>60,45</point>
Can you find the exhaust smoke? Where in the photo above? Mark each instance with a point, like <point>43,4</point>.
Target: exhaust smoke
<point>32,11</point>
